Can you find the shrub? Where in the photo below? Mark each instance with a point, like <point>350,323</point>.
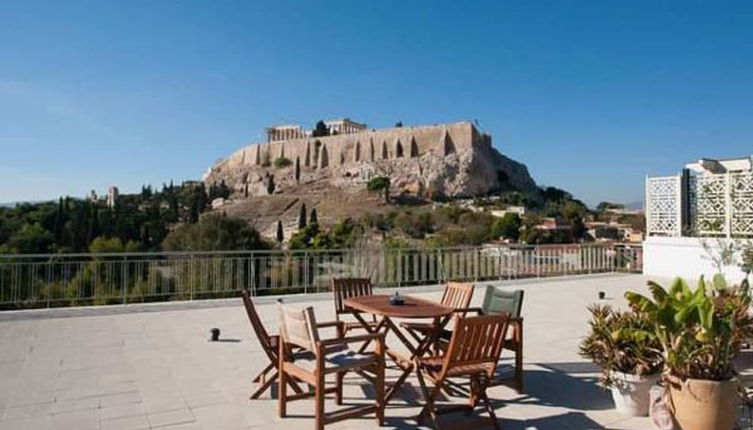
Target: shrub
<point>621,341</point>
<point>282,162</point>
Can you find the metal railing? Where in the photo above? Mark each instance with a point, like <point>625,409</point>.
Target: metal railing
<point>52,280</point>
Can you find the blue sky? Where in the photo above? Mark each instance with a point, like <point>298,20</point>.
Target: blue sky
<point>592,96</point>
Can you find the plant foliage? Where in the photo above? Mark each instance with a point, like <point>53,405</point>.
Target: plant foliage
<point>700,330</point>
<point>621,341</point>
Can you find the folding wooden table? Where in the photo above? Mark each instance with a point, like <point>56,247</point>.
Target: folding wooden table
<point>412,308</point>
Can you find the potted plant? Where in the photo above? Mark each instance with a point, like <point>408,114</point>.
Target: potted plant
<point>700,332</point>
<point>625,346</point>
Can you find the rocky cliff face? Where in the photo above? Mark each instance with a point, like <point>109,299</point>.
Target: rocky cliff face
<point>452,160</point>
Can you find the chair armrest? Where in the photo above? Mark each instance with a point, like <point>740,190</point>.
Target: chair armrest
<point>478,310</point>
<point>353,339</point>
<point>327,324</point>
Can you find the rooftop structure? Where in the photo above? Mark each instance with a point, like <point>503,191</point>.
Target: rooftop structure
<point>693,215</point>
<point>709,165</point>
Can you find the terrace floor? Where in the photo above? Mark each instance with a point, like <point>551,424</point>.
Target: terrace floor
<point>151,366</point>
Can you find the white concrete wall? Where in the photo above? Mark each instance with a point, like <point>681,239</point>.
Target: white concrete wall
<point>682,256</point>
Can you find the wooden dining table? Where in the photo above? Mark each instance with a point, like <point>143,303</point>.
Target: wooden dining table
<point>412,308</point>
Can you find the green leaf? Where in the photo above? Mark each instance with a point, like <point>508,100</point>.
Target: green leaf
<point>658,292</point>
<point>719,282</point>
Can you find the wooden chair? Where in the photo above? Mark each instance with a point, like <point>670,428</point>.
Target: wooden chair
<point>456,295</point>
<point>324,357</point>
<point>498,301</point>
<point>270,345</point>
<point>343,289</point>
<point>473,352</point>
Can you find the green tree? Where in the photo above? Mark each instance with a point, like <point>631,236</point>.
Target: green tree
<point>380,184</point>
<point>313,217</point>
<point>303,238</point>
<point>605,206</point>
<point>320,129</point>
<point>271,185</point>
<point>112,244</point>
<point>214,232</point>
<point>302,216</point>
<point>297,169</point>
<point>507,227</point>
<point>280,232</point>
<point>31,239</point>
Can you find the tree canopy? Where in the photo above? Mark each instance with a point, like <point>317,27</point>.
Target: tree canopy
<point>215,232</point>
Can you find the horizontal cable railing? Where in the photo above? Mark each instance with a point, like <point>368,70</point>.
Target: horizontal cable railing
<point>53,280</point>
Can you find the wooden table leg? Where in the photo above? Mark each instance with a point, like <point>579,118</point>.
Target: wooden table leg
<point>419,351</point>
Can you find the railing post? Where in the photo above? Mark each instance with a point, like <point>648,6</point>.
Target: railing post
<point>476,260</point>
<point>124,280</point>
<point>191,277</point>
<point>399,267</point>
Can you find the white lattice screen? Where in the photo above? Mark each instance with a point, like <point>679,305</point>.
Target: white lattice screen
<point>719,205</point>
<point>663,205</point>
<point>741,204</point>
<point>708,197</point>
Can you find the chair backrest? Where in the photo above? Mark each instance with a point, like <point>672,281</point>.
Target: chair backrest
<point>457,295</point>
<point>261,332</point>
<point>497,301</point>
<point>477,340</point>
<point>298,326</point>
<point>345,288</point>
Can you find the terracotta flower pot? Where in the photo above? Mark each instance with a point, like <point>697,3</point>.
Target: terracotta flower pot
<point>699,404</point>
<point>631,393</point>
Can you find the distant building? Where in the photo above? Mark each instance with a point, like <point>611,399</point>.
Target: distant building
<point>344,126</point>
<point>112,196</point>
<point>500,213</point>
<point>550,224</point>
<point>93,196</point>
<point>291,131</point>
<point>286,132</point>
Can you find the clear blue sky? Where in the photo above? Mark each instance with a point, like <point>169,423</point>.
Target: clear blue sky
<point>592,96</point>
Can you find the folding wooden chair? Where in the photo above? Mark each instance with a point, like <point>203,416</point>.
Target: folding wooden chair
<point>456,295</point>
<point>270,345</point>
<point>473,352</point>
<point>499,301</point>
<point>343,289</point>
<point>324,357</point>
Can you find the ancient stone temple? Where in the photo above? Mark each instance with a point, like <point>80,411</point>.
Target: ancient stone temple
<point>448,159</point>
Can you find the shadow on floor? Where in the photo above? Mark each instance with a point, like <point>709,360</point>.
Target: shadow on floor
<point>571,386</point>
<point>559,385</point>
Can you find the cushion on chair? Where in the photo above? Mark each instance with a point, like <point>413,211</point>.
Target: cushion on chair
<point>497,301</point>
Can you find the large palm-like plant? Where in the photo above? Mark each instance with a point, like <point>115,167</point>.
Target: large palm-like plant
<point>700,330</point>
<point>621,341</point>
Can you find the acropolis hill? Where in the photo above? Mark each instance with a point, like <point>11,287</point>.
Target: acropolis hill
<point>455,160</point>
